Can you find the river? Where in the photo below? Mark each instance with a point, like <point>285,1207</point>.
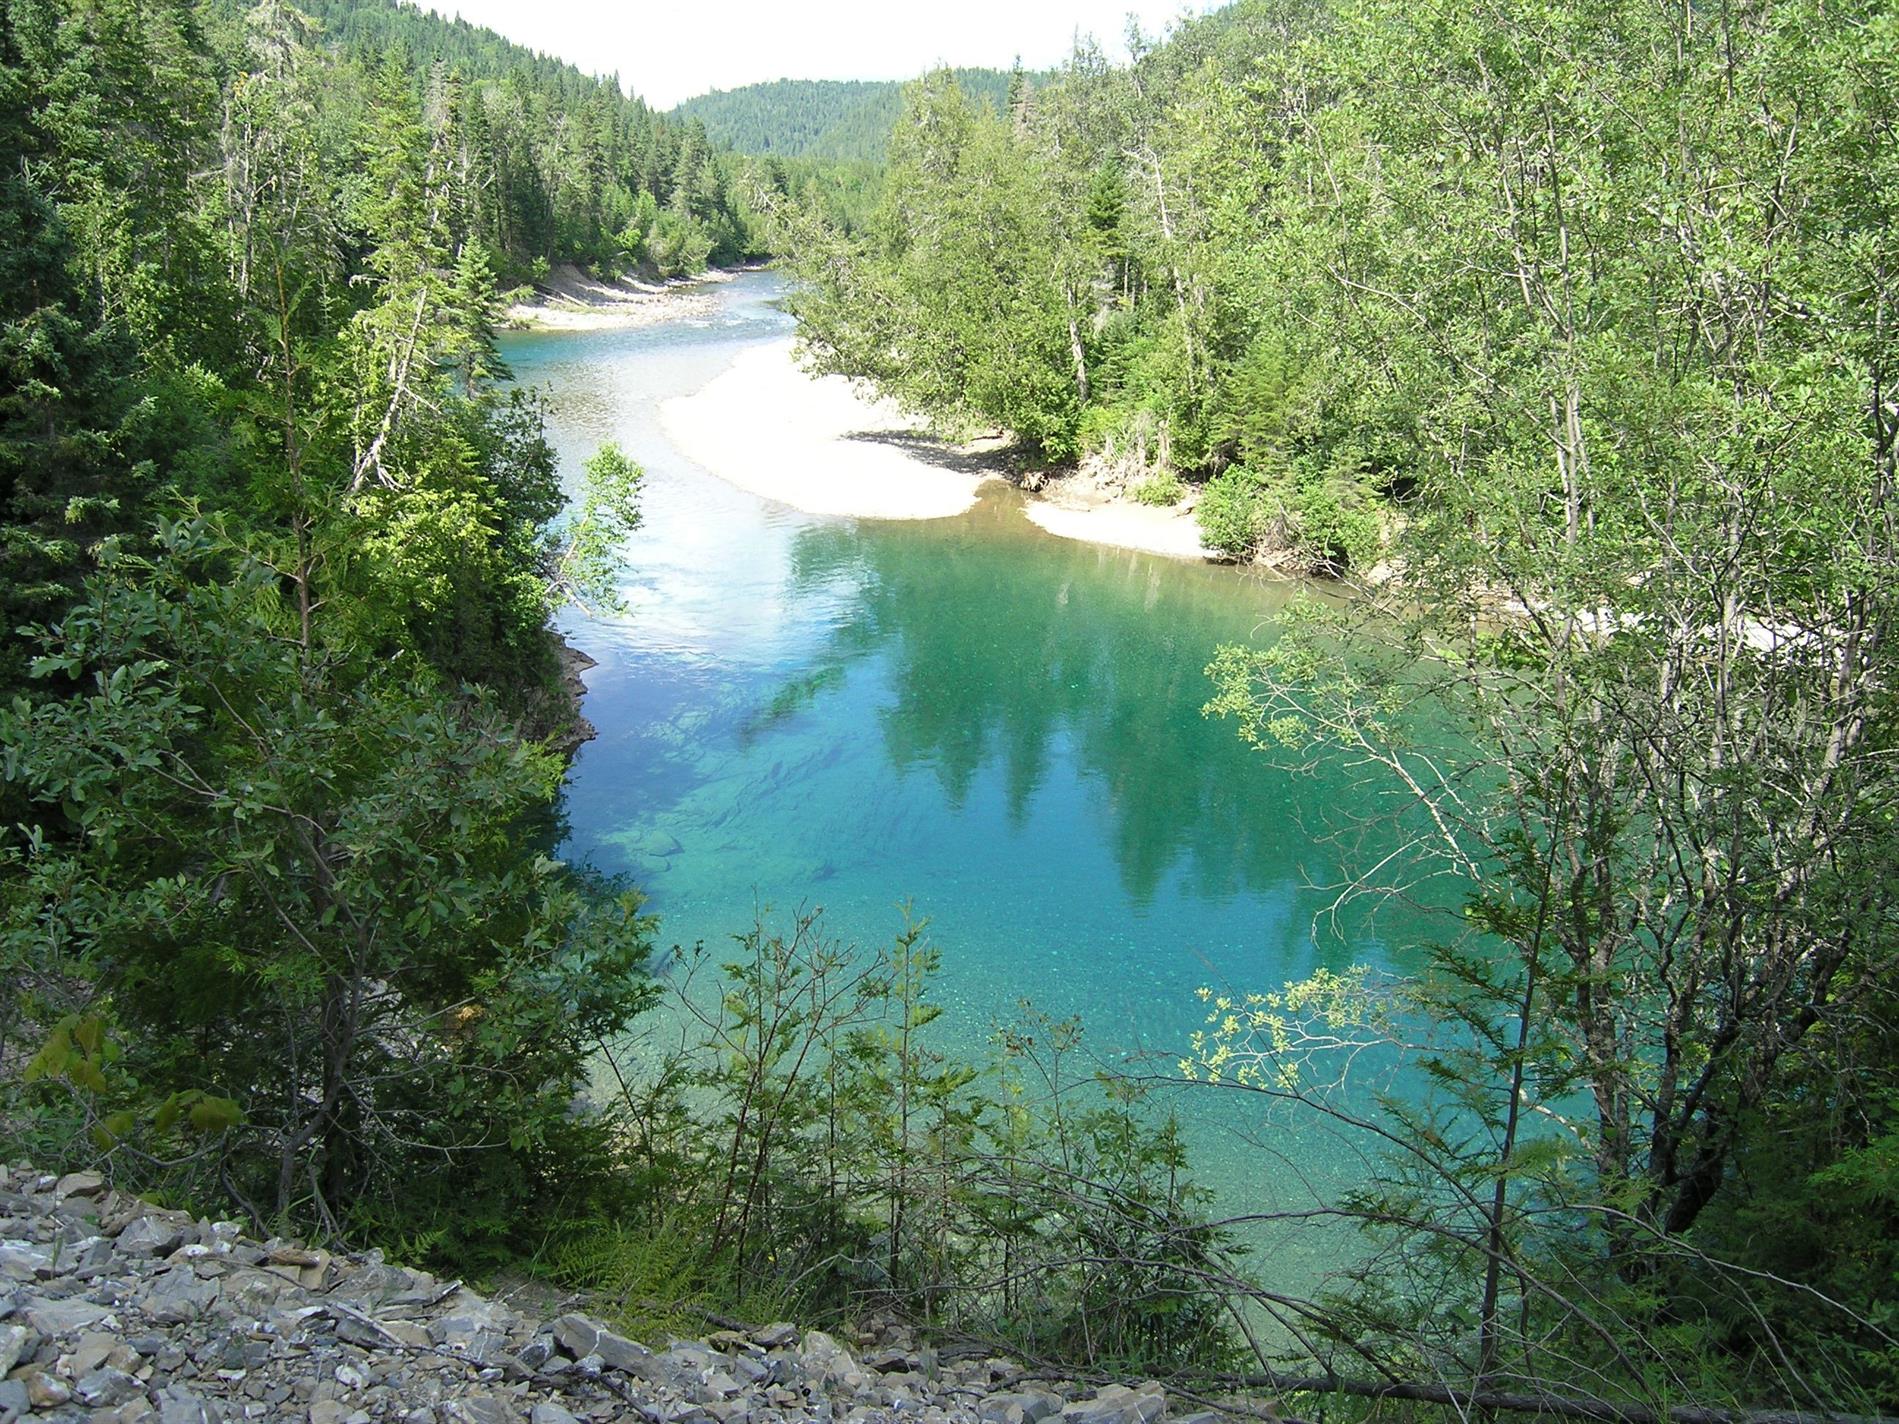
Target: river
<point>996,726</point>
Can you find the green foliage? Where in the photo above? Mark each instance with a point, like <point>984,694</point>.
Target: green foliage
<point>814,1132</point>
<point>552,165</point>
<point>1238,514</point>
<point>78,1051</point>
<point>301,871</point>
<point>1637,550</point>
<point>276,925</point>
<point>954,299</point>
<point>69,477</point>
<point>661,1278</point>
<point>609,513</point>
<point>839,120</point>
<point>1101,273</point>
<point>676,245</point>
<point>1162,489</point>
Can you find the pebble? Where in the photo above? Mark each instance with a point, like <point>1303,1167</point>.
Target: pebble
<point>118,1312</point>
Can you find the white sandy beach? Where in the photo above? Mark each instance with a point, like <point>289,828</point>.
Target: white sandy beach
<point>815,443</point>
<point>570,300</point>
<point>1172,532</point>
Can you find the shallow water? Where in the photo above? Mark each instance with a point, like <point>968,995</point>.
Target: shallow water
<point>997,726</point>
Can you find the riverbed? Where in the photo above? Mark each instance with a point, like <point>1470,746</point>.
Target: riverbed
<point>996,727</point>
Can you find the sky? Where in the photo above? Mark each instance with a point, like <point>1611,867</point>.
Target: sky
<point>668,51</point>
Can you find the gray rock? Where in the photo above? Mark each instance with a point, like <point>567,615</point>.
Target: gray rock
<point>24,1261</point>
<point>536,1352</point>
<point>178,1405</point>
<point>1117,1404</point>
<point>44,1391</point>
<point>485,1409</point>
<point>776,1336</point>
<point>151,1236</point>
<point>178,1298</point>
<point>63,1317</point>
<point>581,1337</point>
<point>753,1370</point>
<point>79,1184</point>
<point>351,1378</point>
<point>1025,1407</point>
<point>231,1330</point>
<point>104,1388</point>
<point>473,1337</point>
<point>828,1361</point>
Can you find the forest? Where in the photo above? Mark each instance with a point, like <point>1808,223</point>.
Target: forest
<point>1555,340</point>
<point>844,121</point>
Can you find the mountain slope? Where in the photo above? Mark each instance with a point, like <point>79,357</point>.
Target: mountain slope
<point>846,119</point>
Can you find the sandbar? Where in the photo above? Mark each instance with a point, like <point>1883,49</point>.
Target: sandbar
<point>569,300</point>
<point>818,444</point>
<point>822,445</point>
<point>1125,525</point>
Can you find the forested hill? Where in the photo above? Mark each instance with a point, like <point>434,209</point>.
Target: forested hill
<point>278,554</point>
<point>372,26</point>
<point>557,165</point>
<point>844,119</point>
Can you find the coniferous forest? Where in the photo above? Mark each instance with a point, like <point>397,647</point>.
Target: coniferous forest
<point>1555,342</point>
<point>845,121</point>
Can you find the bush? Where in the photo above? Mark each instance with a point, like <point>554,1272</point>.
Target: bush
<point>1238,512</point>
<point>1160,489</point>
<point>1338,528</point>
<point>821,1153</point>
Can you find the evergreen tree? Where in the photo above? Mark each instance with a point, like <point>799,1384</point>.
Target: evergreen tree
<point>66,477</point>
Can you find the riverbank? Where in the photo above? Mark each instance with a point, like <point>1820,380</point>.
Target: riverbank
<point>1082,505</point>
<point>818,444</point>
<point>132,1313</point>
<point>569,300</point>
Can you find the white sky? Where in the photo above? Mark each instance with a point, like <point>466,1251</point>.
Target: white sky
<point>667,51</point>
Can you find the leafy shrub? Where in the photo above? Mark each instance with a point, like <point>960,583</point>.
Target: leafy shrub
<point>1337,526</point>
<point>1160,489</point>
<point>1237,513</point>
<point>816,1141</point>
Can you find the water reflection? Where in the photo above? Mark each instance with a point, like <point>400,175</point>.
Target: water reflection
<point>1000,726</point>
<point>1006,651</point>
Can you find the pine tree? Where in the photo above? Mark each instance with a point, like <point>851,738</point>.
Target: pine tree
<point>65,391</point>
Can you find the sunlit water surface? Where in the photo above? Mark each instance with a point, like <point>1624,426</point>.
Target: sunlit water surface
<point>999,727</point>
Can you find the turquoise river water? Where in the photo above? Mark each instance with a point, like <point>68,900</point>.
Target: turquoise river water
<point>998,726</point>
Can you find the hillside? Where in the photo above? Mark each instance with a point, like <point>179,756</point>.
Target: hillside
<point>847,119</point>
<point>360,27</point>
<point>559,166</point>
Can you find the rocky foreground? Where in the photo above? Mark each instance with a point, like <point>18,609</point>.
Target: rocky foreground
<point>116,1312</point>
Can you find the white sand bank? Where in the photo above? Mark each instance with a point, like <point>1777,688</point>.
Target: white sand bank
<point>570,300</point>
<point>1172,532</point>
<point>815,444</point>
